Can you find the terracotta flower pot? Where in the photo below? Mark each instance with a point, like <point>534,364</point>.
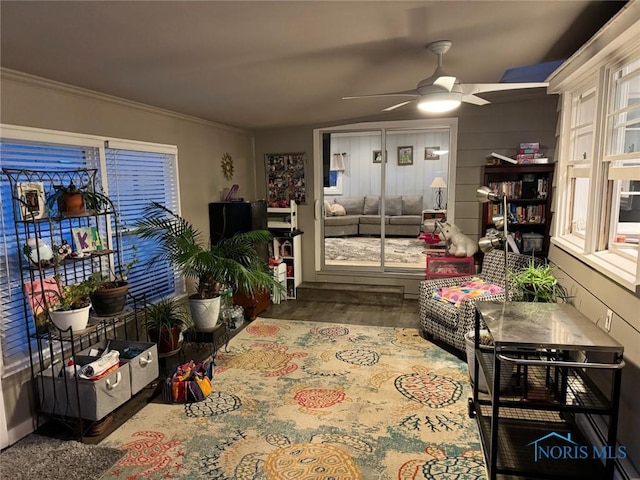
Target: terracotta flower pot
<point>73,203</point>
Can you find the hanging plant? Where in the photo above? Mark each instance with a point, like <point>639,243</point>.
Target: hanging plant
<point>227,166</point>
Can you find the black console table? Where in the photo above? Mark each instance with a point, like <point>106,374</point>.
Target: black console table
<point>530,427</point>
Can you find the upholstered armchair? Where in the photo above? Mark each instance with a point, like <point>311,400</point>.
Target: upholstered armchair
<point>449,323</point>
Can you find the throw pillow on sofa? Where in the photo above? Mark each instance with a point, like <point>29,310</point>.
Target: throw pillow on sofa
<point>372,205</point>
<point>393,205</point>
<point>352,205</point>
<point>412,205</point>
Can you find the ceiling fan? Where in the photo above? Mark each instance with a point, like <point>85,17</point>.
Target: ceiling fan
<point>442,92</point>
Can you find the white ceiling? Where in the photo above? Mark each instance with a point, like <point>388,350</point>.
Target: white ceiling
<point>267,64</point>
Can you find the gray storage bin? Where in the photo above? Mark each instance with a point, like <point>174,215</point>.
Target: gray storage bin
<point>97,398</point>
<point>143,368</point>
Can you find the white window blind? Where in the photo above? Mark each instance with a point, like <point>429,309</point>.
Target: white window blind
<point>35,156</point>
<point>136,178</point>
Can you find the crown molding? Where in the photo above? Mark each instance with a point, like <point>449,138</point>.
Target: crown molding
<point>40,82</point>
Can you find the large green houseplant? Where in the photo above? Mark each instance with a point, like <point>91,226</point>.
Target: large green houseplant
<point>232,262</point>
<point>537,283</point>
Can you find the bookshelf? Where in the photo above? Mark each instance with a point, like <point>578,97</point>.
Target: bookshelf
<point>287,244</point>
<point>529,193</point>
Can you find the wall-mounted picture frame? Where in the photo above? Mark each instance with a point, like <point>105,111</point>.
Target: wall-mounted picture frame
<point>32,200</point>
<point>377,156</point>
<point>430,153</point>
<point>405,156</point>
<point>285,178</point>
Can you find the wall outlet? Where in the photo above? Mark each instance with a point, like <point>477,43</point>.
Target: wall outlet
<point>607,320</point>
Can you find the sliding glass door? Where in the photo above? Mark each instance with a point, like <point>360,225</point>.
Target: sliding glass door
<point>379,187</point>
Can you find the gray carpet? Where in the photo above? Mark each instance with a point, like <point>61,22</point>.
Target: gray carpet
<point>42,458</point>
<point>402,250</point>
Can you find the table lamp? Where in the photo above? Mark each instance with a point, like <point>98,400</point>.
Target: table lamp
<point>438,183</point>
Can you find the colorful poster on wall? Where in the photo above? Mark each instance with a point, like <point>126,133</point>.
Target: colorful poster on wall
<point>285,178</point>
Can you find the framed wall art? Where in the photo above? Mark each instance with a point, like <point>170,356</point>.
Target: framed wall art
<point>285,178</point>
<point>405,156</point>
<point>430,153</point>
<point>32,200</point>
<point>377,156</point>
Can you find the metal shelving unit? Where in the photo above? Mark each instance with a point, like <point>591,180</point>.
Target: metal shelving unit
<point>59,397</point>
<point>550,388</point>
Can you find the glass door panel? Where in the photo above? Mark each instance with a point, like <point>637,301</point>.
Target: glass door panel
<point>353,172</point>
<point>418,159</point>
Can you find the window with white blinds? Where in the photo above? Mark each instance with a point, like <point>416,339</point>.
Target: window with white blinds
<point>131,178</point>
<point>136,178</point>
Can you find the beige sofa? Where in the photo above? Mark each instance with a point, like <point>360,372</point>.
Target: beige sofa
<point>361,216</point>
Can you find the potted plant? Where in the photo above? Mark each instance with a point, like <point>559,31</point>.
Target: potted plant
<point>165,321</point>
<point>72,303</point>
<point>110,296</point>
<point>73,200</point>
<point>536,283</point>
<point>486,344</point>
<point>232,262</point>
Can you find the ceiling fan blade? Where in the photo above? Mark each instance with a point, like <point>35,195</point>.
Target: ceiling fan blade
<point>471,88</point>
<point>445,82</point>
<point>397,105</point>
<point>403,93</point>
<point>474,100</point>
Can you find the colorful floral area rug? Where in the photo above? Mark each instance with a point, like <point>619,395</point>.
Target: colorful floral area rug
<point>306,400</point>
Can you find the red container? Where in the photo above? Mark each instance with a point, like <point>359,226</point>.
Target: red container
<point>440,265</point>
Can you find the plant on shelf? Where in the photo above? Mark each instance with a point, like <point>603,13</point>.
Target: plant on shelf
<point>74,200</point>
<point>165,321</point>
<point>233,262</point>
<point>110,296</point>
<point>72,303</point>
<point>537,283</point>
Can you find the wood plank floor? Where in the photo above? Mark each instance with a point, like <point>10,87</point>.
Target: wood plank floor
<point>404,315</point>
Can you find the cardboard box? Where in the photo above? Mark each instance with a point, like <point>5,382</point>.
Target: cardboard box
<point>97,398</point>
<point>140,357</point>
<point>440,265</point>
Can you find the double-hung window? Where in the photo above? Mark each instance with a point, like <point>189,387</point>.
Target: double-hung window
<point>599,187</point>
<point>131,173</point>
<point>622,159</point>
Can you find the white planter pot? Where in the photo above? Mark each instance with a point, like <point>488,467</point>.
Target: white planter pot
<point>506,369</point>
<point>205,313</point>
<point>76,319</point>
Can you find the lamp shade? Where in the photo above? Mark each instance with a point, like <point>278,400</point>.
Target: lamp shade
<point>438,182</point>
<point>337,163</point>
<point>440,102</point>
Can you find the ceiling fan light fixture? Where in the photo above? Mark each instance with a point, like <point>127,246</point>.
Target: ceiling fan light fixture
<point>440,102</point>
